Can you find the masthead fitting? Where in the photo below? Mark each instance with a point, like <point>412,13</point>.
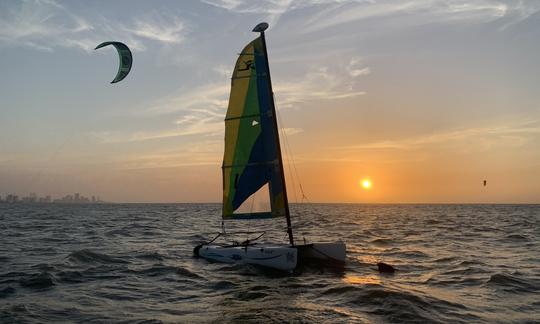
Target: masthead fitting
<point>260,27</point>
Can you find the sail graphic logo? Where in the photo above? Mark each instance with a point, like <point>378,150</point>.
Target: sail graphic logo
<point>249,65</point>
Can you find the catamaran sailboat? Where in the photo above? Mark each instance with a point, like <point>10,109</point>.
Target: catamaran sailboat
<point>252,159</point>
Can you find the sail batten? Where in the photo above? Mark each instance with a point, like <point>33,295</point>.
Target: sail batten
<point>241,117</point>
<point>256,215</point>
<point>249,76</point>
<point>250,159</point>
<point>250,164</point>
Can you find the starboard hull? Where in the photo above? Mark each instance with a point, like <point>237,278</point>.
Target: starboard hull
<point>277,257</point>
<point>328,252</point>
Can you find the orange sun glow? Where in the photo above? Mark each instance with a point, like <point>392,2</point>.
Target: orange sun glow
<point>366,184</point>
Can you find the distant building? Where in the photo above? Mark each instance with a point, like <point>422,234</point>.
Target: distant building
<point>34,198</point>
<point>31,198</point>
<point>46,199</point>
<point>12,198</point>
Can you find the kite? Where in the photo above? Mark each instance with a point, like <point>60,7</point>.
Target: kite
<point>126,59</point>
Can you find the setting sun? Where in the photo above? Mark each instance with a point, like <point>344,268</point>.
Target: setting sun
<point>366,184</point>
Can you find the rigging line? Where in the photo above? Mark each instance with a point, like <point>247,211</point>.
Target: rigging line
<point>284,136</point>
<point>289,150</point>
<point>288,154</point>
<point>297,174</point>
<point>289,168</point>
<point>251,211</point>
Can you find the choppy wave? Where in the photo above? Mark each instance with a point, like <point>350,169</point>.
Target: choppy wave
<point>38,280</point>
<point>87,256</point>
<point>134,264</point>
<point>6,291</point>
<point>513,283</point>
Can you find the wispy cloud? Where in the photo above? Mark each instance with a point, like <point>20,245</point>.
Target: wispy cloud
<point>169,30</point>
<point>196,128</point>
<point>192,154</point>
<point>201,109</point>
<point>197,122</point>
<point>36,23</point>
<point>46,25</point>
<point>205,122</point>
<point>207,98</point>
<point>322,83</point>
<point>194,111</point>
<point>356,67</point>
<point>291,131</point>
<point>520,11</point>
<point>406,13</point>
<point>514,135</point>
<point>202,152</point>
<point>272,9</point>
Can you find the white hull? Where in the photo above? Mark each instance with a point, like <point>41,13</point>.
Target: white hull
<point>272,256</point>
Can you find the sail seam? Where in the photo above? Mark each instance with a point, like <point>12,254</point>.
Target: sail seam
<point>243,117</point>
<point>249,164</point>
<point>249,76</point>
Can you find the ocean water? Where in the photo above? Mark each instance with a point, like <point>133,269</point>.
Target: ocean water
<point>133,263</point>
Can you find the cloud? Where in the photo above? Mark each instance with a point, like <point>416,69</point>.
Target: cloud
<point>223,70</point>
<point>191,154</point>
<point>322,83</point>
<point>272,9</point>
<point>356,67</point>
<point>159,29</point>
<point>205,152</point>
<point>415,12</point>
<point>225,4</point>
<point>197,128</point>
<point>205,98</point>
<point>46,25</point>
<point>38,24</point>
<point>189,125</point>
<point>516,134</point>
<point>201,111</point>
<point>196,111</point>
<point>519,12</point>
<point>291,131</point>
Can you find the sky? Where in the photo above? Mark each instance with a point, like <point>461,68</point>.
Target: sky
<point>425,98</point>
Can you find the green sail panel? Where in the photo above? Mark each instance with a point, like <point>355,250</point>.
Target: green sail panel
<point>251,153</point>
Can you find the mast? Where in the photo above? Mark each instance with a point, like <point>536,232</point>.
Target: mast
<point>261,28</point>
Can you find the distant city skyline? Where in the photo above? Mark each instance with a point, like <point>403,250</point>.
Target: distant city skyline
<point>425,99</point>
<point>35,198</point>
